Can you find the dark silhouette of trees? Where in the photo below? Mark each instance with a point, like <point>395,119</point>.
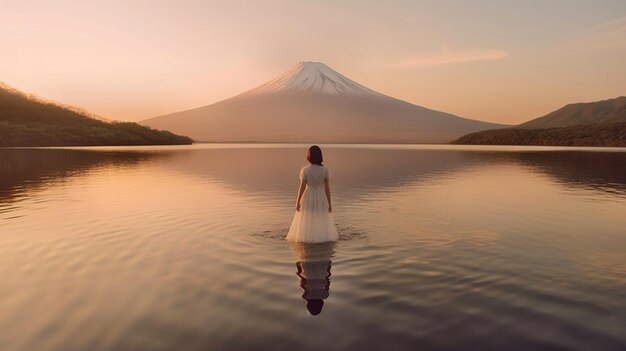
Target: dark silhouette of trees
<point>597,134</point>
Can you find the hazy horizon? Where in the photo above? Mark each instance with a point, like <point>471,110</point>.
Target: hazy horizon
<point>502,63</point>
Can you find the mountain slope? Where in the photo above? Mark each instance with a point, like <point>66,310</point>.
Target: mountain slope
<point>601,123</point>
<point>28,121</point>
<point>313,103</point>
<point>606,111</point>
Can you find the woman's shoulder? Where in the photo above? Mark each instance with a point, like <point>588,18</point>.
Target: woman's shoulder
<point>313,167</point>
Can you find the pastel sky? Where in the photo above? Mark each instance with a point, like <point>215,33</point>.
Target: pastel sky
<point>500,61</point>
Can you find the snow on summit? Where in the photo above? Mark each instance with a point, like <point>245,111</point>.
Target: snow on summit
<point>313,77</point>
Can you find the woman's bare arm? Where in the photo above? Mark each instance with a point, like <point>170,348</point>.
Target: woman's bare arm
<point>300,192</point>
<point>327,189</point>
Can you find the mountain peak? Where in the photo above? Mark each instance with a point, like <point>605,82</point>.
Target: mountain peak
<point>312,63</point>
<point>311,102</point>
<point>312,77</point>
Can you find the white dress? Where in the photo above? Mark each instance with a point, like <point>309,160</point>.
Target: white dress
<point>313,223</point>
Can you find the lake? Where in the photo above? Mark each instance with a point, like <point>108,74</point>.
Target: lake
<point>441,248</point>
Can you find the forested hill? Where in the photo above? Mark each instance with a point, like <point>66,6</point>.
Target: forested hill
<point>600,123</point>
<point>597,134</point>
<point>29,121</point>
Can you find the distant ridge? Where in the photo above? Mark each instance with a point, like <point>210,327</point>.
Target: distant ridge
<point>26,120</point>
<point>601,123</point>
<point>311,102</point>
<point>605,111</point>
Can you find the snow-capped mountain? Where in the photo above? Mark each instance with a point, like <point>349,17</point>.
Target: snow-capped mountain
<point>313,77</point>
<point>313,103</point>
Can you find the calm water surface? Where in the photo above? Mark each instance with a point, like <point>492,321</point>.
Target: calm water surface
<point>441,248</point>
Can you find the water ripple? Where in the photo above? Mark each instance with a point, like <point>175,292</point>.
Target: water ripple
<point>160,249</point>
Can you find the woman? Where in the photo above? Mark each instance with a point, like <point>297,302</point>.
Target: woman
<point>313,221</point>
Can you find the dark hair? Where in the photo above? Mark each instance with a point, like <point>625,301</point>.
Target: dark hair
<point>315,155</point>
<point>314,306</point>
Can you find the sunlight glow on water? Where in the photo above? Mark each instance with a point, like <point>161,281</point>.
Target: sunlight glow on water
<point>441,247</point>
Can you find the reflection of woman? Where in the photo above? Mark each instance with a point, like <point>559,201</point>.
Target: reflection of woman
<point>313,221</point>
<point>313,263</point>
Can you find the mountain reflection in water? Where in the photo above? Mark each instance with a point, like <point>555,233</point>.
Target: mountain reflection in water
<point>274,170</point>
